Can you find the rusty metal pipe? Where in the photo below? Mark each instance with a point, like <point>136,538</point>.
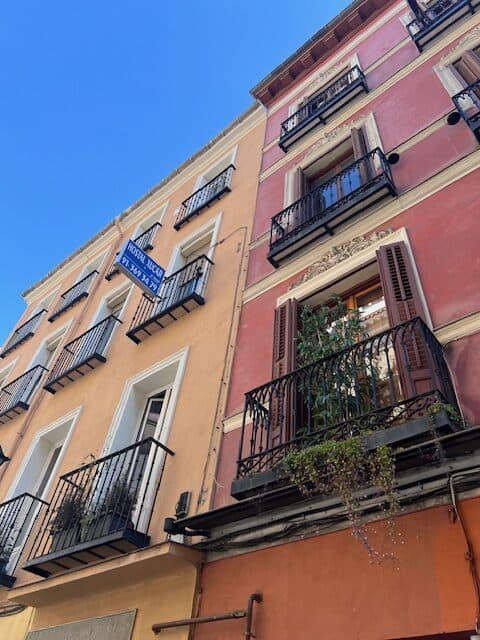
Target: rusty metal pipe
<point>230,615</point>
<point>254,597</point>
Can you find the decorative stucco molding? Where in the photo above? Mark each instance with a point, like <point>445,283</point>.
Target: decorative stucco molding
<point>471,36</point>
<point>341,131</point>
<point>339,253</point>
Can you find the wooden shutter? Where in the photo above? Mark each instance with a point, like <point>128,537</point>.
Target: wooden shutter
<point>402,295</point>
<point>469,67</point>
<point>284,338</point>
<point>403,302</point>
<point>299,184</point>
<point>281,426</point>
<point>360,151</point>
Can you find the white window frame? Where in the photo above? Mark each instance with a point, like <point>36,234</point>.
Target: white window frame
<point>446,72</point>
<point>69,421</point>
<point>212,228</point>
<point>156,216</point>
<point>6,371</point>
<point>227,158</point>
<point>60,332</point>
<point>326,145</point>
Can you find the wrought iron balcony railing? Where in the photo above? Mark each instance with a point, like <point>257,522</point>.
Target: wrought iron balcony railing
<point>17,517</point>
<point>144,241</point>
<point>438,17</point>
<point>467,103</point>
<point>359,186</point>
<point>204,196</point>
<point>322,106</point>
<point>382,384</point>
<point>101,509</point>
<point>73,295</point>
<point>15,396</point>
<point>179,294</point>
<point>24,332</point>
<point>82,355</point>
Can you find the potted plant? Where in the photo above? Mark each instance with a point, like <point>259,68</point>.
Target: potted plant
<point>66,525</point>
<point>5,554</point>
<point>113,512</point>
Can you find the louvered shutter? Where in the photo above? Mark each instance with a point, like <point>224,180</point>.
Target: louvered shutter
<point>281,427</point>
<point>360,150</point>
<point>469,67</point>
<point>403,302</point>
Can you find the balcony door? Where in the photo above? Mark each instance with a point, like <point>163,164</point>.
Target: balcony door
<point>149,459</point>
<point>391,369</point>
<point>331,178</point>
<point>28,512</point>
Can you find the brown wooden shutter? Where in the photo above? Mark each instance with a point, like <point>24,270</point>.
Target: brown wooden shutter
<point>403,302</point>
<point>281,426</point>
<point>469,67</point>
<point>284,338</point>
<point>359,143</point>
<point>360,151</point>
<point>299,184</point>
<point>402,295</point>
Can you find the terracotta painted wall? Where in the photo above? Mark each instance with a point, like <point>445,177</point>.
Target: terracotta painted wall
<point>326,587</point>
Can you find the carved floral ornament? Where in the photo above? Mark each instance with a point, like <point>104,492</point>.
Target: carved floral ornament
<point>327,137</point>
<point>339,253</point>
<point>471,36</point>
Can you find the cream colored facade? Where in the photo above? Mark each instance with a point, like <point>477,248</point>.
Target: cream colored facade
<point>103,410</point>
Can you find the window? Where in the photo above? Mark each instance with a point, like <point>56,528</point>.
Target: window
<point>467,68</point>
<point>38,472</point>
<point>46,353</point>
<point>330,175</point>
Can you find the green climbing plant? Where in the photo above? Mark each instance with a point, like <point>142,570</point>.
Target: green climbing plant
<point>341,386</point>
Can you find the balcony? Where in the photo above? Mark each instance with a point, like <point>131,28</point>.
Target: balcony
<point>322,106</point>
<point>144,241</point>
<point>17,516</point>
<point>437,18</point>
<point>179,294</point>
<point>100,510</point>
<point>82,355</point>
<point>467,103</point>
<point>24,332</point>
<point>204,196</point>
<point>381,388</point>
<point>73,295</point>
<point>358,187</point>
<point>15,396</point>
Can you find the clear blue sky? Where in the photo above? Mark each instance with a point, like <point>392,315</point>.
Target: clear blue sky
<point>101,99</point>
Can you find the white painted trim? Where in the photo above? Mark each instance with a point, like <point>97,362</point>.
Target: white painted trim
<point>50,338</point>
<point>6,371</point>
<point>180,357</point>
<point>109,296</point>
<point>72,417</point>
<point>461,328</point>
<point>229,158</point>
<point>233,422</point>
<point>212,227</point>
<point>157,216</point>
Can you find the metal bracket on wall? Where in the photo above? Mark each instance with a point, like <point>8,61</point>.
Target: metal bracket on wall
<point>230,615</point>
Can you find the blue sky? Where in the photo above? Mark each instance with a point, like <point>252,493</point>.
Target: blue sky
<point>100,99</point>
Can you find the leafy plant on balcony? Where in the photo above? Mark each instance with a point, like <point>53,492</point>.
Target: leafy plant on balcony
<point>341,389</point>
<point>69,513</point>
<point>339,386</point>
<point>345,468</point>
<point>120,497</point>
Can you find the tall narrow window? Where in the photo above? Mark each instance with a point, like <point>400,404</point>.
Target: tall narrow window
<point>468,66</point>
